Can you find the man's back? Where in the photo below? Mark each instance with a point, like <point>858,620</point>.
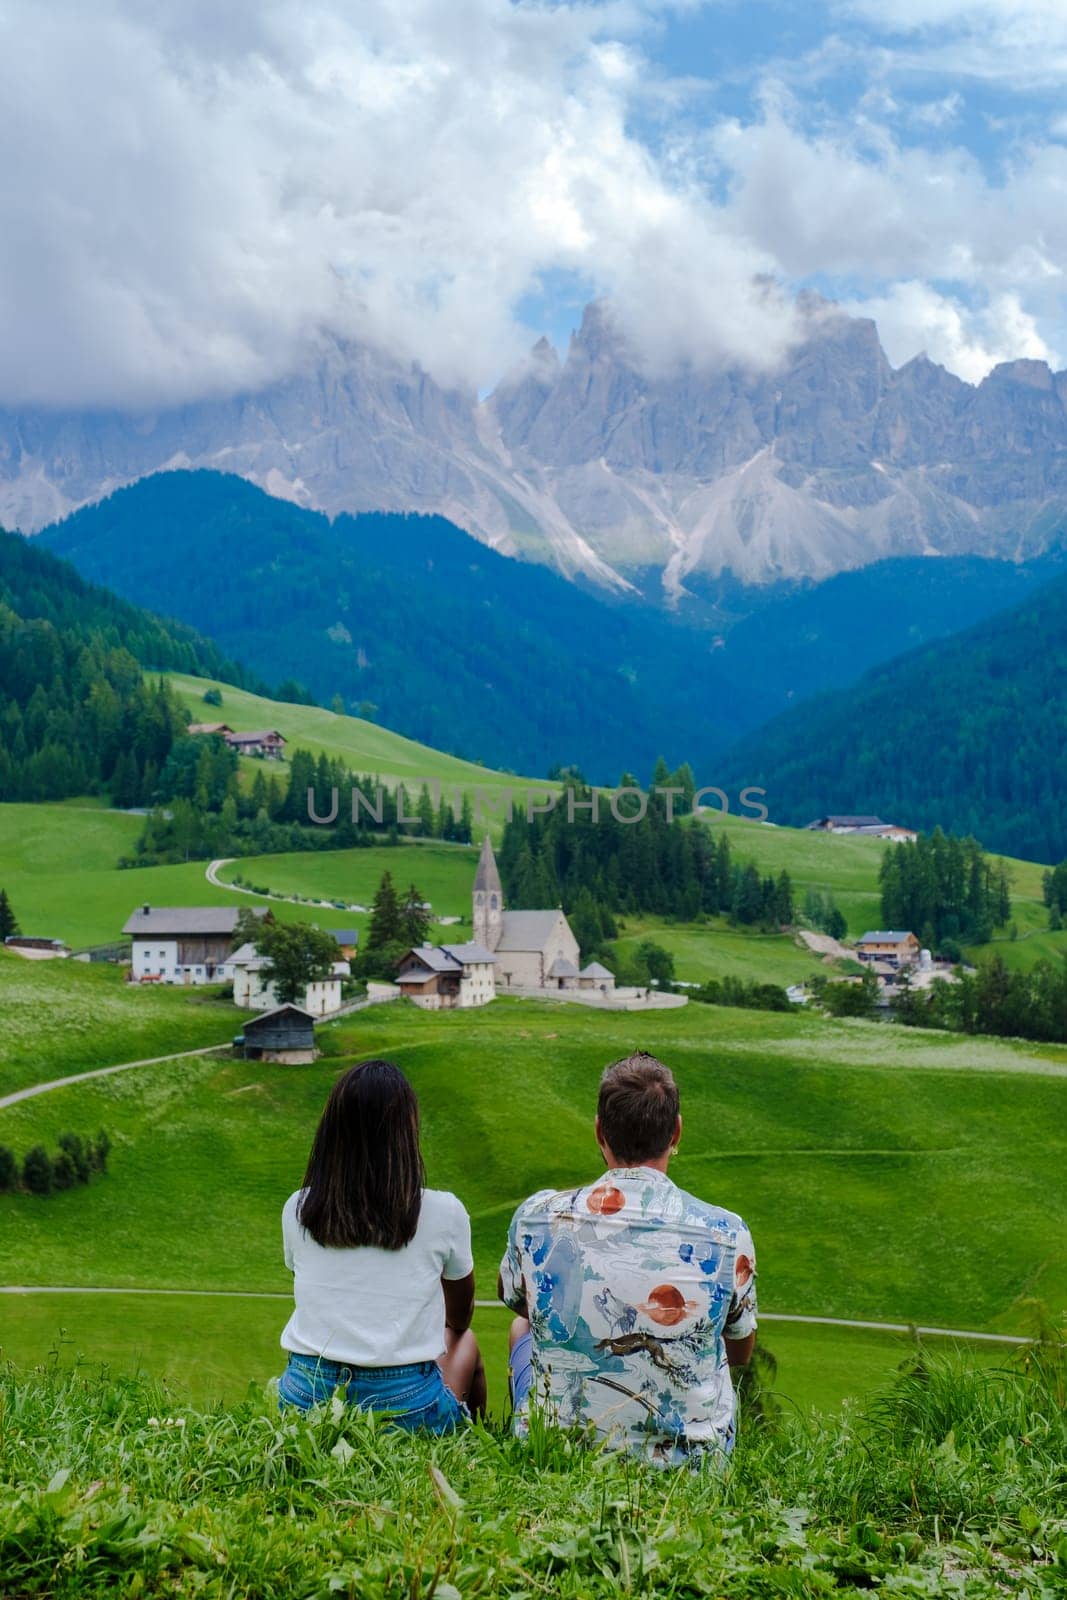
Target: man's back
<point>632,1285</point>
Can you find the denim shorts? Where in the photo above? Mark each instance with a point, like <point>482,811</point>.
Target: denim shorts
<point>520,1370</point>
<point>415,1396</point>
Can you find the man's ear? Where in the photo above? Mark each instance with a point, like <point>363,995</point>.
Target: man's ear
<point>678,1131</point>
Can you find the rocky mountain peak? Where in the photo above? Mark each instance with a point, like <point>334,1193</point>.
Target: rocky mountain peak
<point>606,469</point>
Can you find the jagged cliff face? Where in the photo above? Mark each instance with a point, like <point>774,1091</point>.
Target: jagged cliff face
<point>602,469</point>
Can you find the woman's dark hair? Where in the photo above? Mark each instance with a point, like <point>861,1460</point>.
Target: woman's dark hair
<point>365,1176</point>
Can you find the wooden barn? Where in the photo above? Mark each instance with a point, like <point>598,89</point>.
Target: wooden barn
<point>285,1034</point>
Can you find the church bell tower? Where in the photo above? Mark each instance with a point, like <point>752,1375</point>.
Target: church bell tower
<point>488,907</point>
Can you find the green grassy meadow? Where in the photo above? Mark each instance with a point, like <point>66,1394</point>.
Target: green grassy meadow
<point>717,950</point>
<point>57,1019</point>
<point>366,747</point>
<point>444,873</point>
<point>58,864</point>
<point>879,1169</point>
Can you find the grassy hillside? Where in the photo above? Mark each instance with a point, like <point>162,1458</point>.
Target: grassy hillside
<point>860,1155</point>
<point>58,865</point>
<point>64,1018</point>
<point>108,1487</point>
<point>366,746</point>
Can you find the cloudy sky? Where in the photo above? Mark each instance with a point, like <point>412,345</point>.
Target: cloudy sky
<point>193,194</point>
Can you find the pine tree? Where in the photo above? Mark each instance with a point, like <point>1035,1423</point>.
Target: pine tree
<point>8,920</point>
<point>386,926</point>
<point>414,918</point>
<point>425,813</point>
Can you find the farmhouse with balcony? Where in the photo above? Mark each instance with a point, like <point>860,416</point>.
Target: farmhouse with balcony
<point>441,977</point>
<point>263,742</point>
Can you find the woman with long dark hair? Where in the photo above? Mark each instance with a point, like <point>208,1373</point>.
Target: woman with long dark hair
<point>383,1274</point>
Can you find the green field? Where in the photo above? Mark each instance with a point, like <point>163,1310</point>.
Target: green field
<point>880,1170</point>
<point>59,1019</point>
<point>716,950</point>
<point>58,865</point>
<point>443,873</point>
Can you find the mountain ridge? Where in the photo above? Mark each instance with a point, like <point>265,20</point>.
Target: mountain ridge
<point>471,652</point>
<point>602,470</point>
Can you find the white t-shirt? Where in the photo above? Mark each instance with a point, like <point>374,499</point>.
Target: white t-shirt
<point>371,1307</point>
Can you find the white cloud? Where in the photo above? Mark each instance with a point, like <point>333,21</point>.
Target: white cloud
<point>192,194</point>
<point>866,211</point>
<point>1016,42</point>
<point>914,319</point>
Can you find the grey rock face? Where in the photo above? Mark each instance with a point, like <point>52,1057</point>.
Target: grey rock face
<point>601,468</point>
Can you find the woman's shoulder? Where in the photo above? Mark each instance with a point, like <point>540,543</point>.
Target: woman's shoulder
<point>289,1209</point>
<point>442,1203</point>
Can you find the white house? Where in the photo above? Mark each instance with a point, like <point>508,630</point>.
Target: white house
<point>251,993</point>
<point>182,944</point>
<point>439,977</point>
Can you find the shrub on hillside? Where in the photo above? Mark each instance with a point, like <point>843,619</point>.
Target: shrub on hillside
<point>38,1173</point>
<point>73,1147</point>
<point>101,1149</point>
<point>743,992</point>
<point>64,1172</point>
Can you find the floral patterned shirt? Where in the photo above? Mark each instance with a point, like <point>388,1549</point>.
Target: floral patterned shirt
<point>631,1286</point>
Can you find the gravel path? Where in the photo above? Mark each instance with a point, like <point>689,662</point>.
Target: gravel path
<point>765,1316</point>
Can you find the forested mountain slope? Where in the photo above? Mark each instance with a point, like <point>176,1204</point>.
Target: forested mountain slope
<point>496,660</point>
<point>967,732</point>
<point>73,700</point>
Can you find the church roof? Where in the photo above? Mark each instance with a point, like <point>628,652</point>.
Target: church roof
<point>526,930</point>
<point>562,968</point>
<point>595,970</point>
<point>487,877</point>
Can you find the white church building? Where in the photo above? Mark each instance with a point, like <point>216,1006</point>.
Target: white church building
<point>534,950</point>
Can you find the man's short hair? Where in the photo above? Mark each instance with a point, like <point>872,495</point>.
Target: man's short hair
<point>637,1107</point>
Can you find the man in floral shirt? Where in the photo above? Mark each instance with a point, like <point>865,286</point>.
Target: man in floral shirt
<point>634,1299</point>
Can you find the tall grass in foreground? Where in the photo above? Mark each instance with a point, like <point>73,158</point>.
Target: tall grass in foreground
<point>953,1482</point>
